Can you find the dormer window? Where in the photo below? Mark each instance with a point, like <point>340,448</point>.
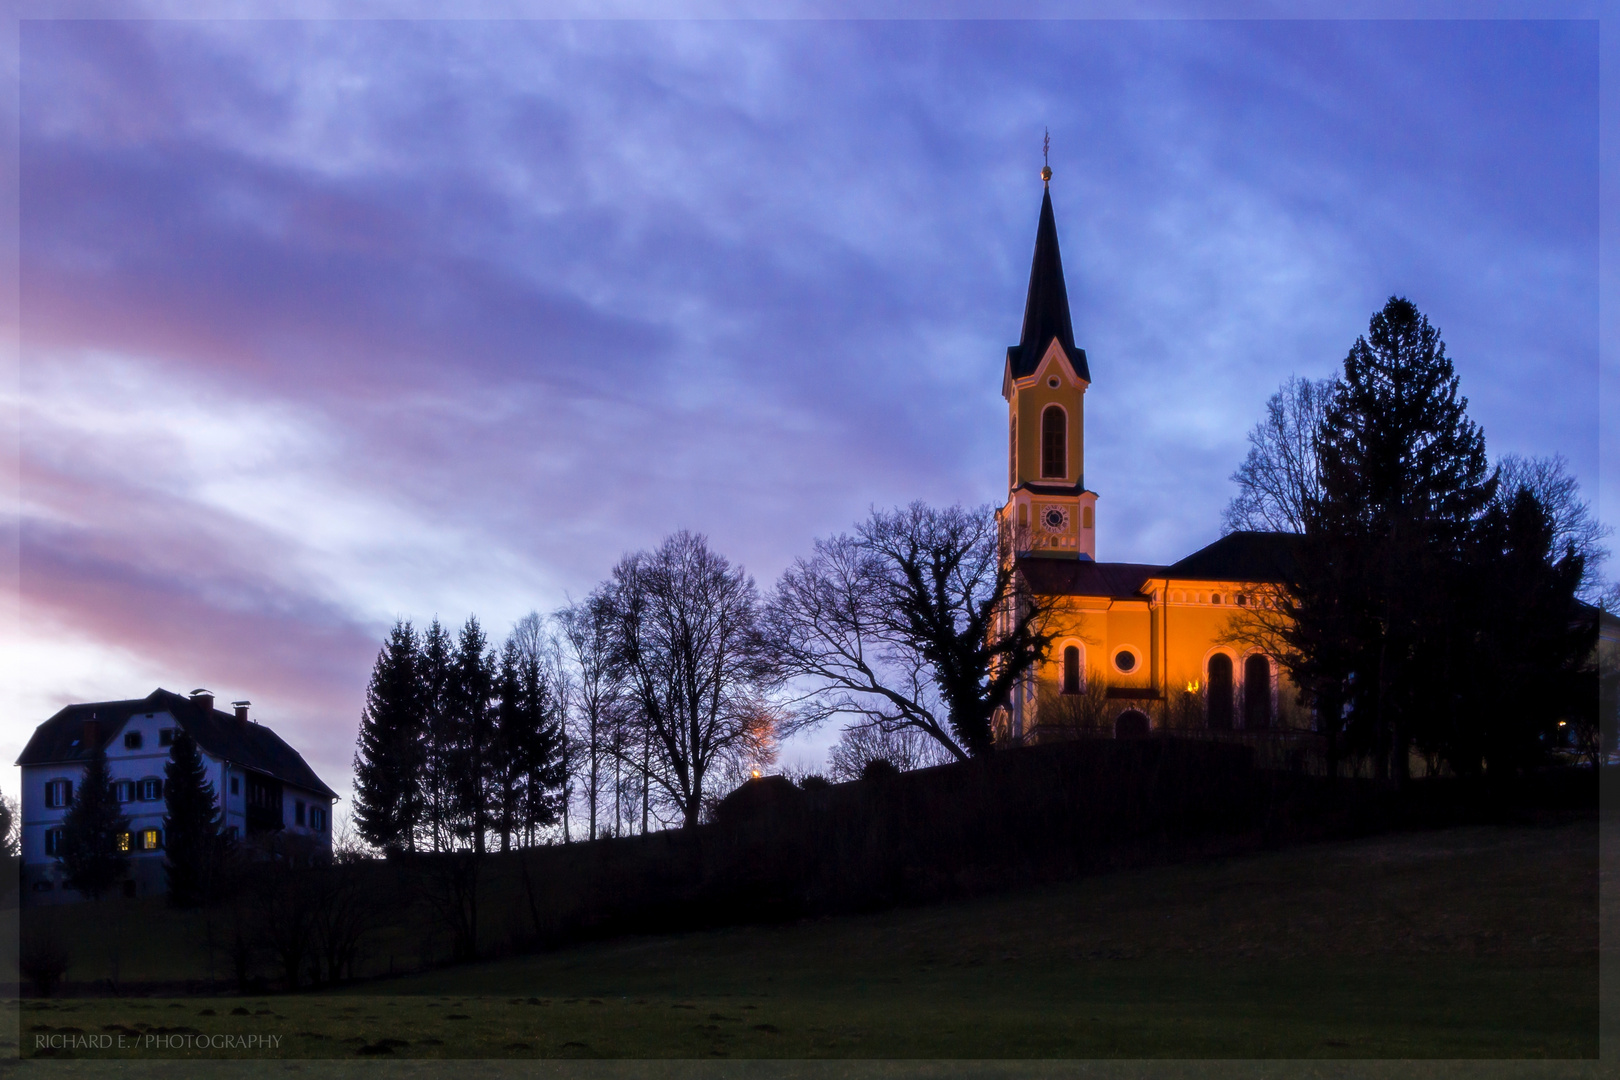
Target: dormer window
<point>1054,443</point>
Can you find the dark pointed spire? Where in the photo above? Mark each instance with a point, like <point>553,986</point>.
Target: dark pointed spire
<point>1046,310</point>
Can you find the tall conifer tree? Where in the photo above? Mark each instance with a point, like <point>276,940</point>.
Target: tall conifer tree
<point>93,830</point>
<point>191,837</point>
<point>390,756</point>
<point>471,686</point>
<point>439,735</point>
<point>1403,479</point>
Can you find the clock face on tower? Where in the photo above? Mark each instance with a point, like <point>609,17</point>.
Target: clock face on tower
<point>1055,518</point>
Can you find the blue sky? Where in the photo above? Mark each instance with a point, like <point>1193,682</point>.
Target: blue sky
<point>328,323</point>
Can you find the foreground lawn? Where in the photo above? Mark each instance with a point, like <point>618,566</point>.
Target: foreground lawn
<point>1463,943</point>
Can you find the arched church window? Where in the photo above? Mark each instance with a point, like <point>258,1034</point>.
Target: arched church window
<point>1054,442</point>
<point>1012,454</point>
<point>1071,670</point>
<point>1256,693</point>
<point>1219,701</point>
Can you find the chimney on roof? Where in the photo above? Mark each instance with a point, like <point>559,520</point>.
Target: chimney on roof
<point>92,733</point>
<point>204,699</point>
<point>241,708</point>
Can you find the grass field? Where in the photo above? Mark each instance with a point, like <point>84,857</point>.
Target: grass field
<point>1478,942</point>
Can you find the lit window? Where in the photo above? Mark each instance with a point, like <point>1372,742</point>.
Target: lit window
<point>151,839</point>
<point>132,740</point>
<point>123,841</point>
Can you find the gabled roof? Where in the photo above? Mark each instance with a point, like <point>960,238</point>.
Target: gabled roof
<point>220,734</point>
<point>1082,577</point>
<point>1046,309</point>
<point>1240,556</point>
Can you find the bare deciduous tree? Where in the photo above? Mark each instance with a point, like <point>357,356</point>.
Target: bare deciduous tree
<point>686,642</point>
<point>1573,526</point>
<point>1278,478</point>
<point>587,629</point>
<point>913,622</point>
<point>861,744</point>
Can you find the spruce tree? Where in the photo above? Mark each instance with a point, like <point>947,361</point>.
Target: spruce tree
<point>544,766</point>
<point>390,753</point>
<point>92,854</point>
<point>471,722</point>
<point>1403,480</point>
<point>439,736</point>
<point>191,825</point>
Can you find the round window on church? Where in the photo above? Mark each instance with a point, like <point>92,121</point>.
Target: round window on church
<point>1125,660</point>
<point>1053,383</point>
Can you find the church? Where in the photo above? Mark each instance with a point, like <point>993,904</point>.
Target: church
<point>1136,647</point>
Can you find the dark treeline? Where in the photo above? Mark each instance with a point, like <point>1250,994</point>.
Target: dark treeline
<point>461,744</point>
<point>1435,604</point>
<point>639,705</point>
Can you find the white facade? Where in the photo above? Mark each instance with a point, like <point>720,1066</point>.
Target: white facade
<point>137,752</point>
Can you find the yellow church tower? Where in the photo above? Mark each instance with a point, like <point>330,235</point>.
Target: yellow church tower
<point>1049,512</point>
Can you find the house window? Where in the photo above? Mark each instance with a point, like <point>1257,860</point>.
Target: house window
<point>125,790</point>
<point>166,737</point>
<point>317,819</point>
<point>232,833</point>
<point>236,785</point>
<point>298,811</point>
<point>151,839</point>
<point>1071,670</point>
<point>53,841</point>
<point>58,793</point>
<point>123,841</point>
<point>132,740</point>
<point>151,790</point>
<point>1054,443</point>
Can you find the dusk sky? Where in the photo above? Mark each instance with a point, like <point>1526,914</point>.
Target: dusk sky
<point>325,324</point>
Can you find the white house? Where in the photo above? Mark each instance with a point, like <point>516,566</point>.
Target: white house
<point>263,784</point>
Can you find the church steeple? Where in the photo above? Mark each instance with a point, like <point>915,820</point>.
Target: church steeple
<point>1046,309</point>
<point>1049,512</point>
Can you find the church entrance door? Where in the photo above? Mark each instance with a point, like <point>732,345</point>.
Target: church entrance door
<point>1132,724</point>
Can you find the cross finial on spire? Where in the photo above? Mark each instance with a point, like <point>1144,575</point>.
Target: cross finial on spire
<point>1046,164</point>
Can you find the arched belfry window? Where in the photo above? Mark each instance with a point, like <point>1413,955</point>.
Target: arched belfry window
<point>1071,670</point>
<point>1054,442</point>
<point>1256,693</point>
<point>1219,691</point>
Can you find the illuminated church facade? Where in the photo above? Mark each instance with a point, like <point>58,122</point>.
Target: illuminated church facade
<point>1136,647</point>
